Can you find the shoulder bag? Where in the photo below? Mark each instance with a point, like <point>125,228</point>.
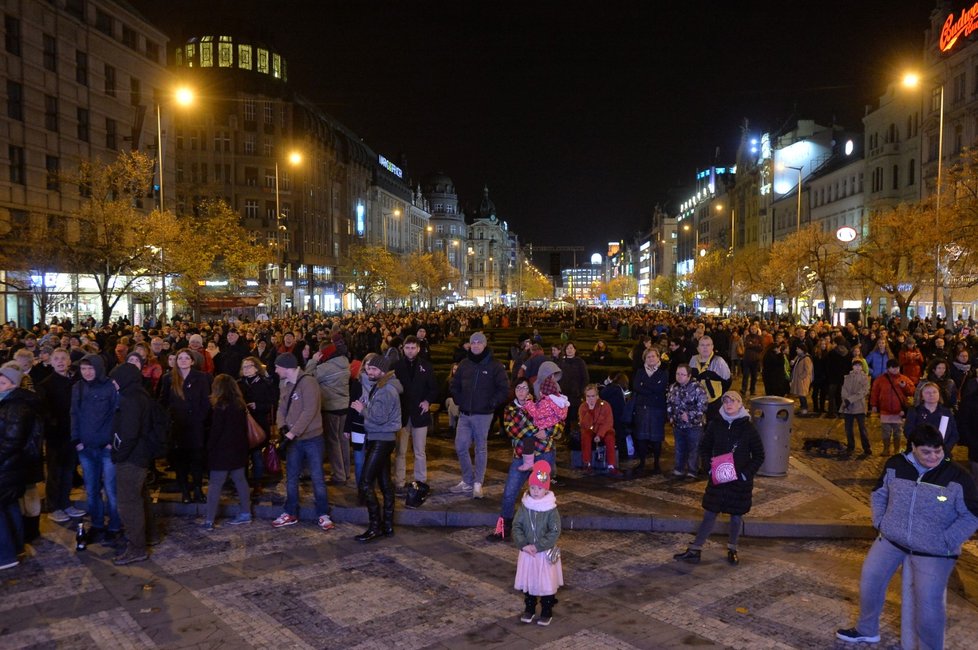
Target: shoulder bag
<point>722,469</point>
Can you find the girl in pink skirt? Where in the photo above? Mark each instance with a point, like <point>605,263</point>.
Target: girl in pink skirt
<point>536,529</point>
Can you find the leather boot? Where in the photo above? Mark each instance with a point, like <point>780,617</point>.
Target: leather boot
<point>546,610</point>
<point>689,555</point>
<point>387,522</point>
<point>529,609</point>
<point>373,526</point>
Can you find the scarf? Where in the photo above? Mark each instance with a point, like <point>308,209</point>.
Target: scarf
<point>742,413</point>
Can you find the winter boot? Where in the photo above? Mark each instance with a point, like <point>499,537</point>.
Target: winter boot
<point>387,524</point>
<point>691,555</point>
<point>504,527</point>
<point>373,525</point>
<point>530,609</point>
<point>546,610</point>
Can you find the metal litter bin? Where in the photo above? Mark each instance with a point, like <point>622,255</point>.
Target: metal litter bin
<point>772,416</point>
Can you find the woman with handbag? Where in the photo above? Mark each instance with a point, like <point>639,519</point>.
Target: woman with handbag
<point>261,397</point>
<point>732,449</point>
<point>227,449</point>
<point>185,393</point>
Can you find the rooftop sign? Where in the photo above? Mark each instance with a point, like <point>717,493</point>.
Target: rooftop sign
<point>953,29</point>
<point>391,167</point>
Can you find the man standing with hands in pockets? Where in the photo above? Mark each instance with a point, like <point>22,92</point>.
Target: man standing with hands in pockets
<point>417,376</point>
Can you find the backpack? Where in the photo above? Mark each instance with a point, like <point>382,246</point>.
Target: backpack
<point>157,433</point>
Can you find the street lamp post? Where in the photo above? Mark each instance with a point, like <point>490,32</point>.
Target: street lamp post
<point>184,97</point>
<point>912,80</point>
<point>798,216</point>
<point>294,159</point>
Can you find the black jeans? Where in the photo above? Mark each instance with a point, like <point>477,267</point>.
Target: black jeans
<point>377,470</point>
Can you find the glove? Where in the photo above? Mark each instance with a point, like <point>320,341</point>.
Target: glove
<point>283,446</point>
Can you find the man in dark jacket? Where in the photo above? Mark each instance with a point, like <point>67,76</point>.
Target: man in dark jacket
<point>55,394</point>
<point>233,352</point>
<point>18,410</point>
<point>93,404</point>
<point>132,457</point>
<point>417,376</point>
<point>478,387</point>
<point>837,366</point>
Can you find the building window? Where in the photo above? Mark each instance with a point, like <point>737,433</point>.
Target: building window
<point>244,57</point>
<point>109,80</point>
<point>111,134</point>
<point>193,139</point>
<point>251,209</point>
<point>81,67</point>
<point>912,172</point>
<point>270,178</point>
<point>15,100</point>
<point>959,88</point>
<point>52,165</point>
<point>152,51</point>
<point>103,22</point>
<point>269,112</point>
<point>262,60</point>
<point>251,176</point>
<point>50,53</point>
<point>276,66</point>
<point>225,52</point>
<point>268,147</point>
<point>896,177</point>
<point>76,8</point>
<point>935,99</point>
<point>11,28</point>
<point>83,124</point>
<point>129,37</point>
<point>207,55</point>
<point>249,111</point>
<point>222,141</point>
<point>16,155</point>
<point>179,172</point>
<point>958,138</point>
<point>135,92</point>
<point>249,143</point>
<point>51,113</point>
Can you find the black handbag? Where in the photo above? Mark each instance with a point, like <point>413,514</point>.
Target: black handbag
<point>417,493</point>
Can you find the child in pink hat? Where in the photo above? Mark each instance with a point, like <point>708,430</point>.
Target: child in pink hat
<point>536,529</point>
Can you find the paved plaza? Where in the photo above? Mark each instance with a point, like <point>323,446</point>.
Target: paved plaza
<point>439,584</point>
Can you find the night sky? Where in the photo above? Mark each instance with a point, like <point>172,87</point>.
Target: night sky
<point>579,116</point>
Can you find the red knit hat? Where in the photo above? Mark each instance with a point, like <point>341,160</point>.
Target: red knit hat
<point>540,474</point>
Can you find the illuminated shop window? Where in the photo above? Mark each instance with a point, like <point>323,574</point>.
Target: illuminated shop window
<point>276,66</point>
<point>225,52</point>
<point>244,57</point>
<point>191,53</point>
<point>262,61</point>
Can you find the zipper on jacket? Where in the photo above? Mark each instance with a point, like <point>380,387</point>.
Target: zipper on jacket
<point>913,501</point>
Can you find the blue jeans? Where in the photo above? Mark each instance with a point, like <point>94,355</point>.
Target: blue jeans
<point>359,455</point>
<point>515,480</point>
<point>687,448</point>
<point>305,453</point>
<point>473,431</point>
<point>11,532</point>
<point>860,419</point>
<point>99,473</point>
<point>928,590</point>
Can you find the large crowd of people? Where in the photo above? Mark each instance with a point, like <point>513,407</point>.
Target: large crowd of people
<point>354,392</point>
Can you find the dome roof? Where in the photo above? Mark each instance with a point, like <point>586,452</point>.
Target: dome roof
<point>439,183</point>
<point>487,208</point>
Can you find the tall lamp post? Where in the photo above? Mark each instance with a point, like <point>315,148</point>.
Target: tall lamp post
<point>294,158</point>
<point>184,97</point>
<point>912,80</point>
<point>782,167</point>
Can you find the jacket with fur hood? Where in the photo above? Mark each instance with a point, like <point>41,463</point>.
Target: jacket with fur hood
<point>93,406</point>
<point>333,375</point>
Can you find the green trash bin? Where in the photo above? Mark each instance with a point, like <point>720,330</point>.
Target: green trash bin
<point>773,416</point>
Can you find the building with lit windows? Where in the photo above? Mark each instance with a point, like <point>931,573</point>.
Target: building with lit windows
<point>83,79</point>
<point>397,215</point>
<point>448,229</point>
<point>238,141</point>
<point>491,250</point>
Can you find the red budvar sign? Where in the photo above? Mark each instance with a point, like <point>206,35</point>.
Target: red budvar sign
<point>953,29</point>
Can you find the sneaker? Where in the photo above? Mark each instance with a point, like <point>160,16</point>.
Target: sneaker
<point>544,619</point>
<point>677,472</point>
<point>74,512</point>
<point>284,519</point>
<point>461,488</point>
<point>243,518</point>
<point>130,556</point>
<point>852,635</point>
<point>477,491</point>
<point>326,523</point>
<point>692,475</point>
<point>208,526</point>
<point>527,617</point>
<point>59,516</point>
<point>10,565</point>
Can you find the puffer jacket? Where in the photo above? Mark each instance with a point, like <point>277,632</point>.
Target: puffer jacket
<point>919,416</point>
<point>417,377</point>
<point>537,523</point>
<point>93,406</point>
<point>719,438</point>
<point>333,376</point>
<point>17,414</point>
<point>889,393</point>
<point>480,384</point>
<point>933,514</point>
<point>689,398</point>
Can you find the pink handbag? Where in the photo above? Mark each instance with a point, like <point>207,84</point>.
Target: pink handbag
<point>722,469</point>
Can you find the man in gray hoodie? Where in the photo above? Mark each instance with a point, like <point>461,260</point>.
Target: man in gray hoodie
<point>94,401</point>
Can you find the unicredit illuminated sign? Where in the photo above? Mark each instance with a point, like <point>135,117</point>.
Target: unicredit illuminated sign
<point>953,29</point>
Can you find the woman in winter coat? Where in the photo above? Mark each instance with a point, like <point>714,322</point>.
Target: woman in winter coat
<point>855,390</point>
<point>686,403</point>
<point>574,377</point>
<point>734,433</point>
<point>937,373</point>
<point>774,369</point>
<point>911,360</point>
<point>227,449</point>
<point>18,412</point>
<point>929,410</point>
<point>802,371</point>
<point>261,397</point>
<point>185,393</point>
<point>649,417</point>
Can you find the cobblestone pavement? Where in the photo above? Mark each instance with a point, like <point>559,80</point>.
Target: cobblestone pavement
<point>256,587</point>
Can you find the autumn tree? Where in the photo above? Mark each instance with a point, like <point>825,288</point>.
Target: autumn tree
<point>213,245</point>
<point>111,238</point>
<point>804,259</point>
<point>533,285</point>
<point>713,276</point>
<point>31,252</point>
<point>366,271</point>
<point>665,290</point>
<point>957,266</point>
<point>898,253</point>
<point>622,287</point>
<point>430,273</point>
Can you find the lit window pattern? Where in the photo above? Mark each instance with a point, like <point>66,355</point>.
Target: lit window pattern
<point>244,57</point>
<point>206,55</point>
<point>262,60</point>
